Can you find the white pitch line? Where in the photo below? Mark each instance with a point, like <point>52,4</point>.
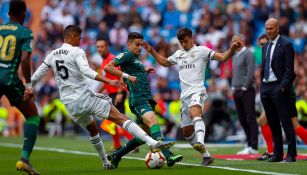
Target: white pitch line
<point>60,150</point>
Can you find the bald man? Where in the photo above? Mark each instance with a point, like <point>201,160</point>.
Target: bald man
<point>276,79</point>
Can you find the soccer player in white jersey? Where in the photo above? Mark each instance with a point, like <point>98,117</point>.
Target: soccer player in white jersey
<point>192,62</point>
<point>71,68</point>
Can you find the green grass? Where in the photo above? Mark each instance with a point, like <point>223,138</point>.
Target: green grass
<point>58,163</point>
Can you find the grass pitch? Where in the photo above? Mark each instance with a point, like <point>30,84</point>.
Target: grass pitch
<point>71,156</point>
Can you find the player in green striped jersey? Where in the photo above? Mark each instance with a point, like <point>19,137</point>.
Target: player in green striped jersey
<point>15,48</point>
<point>140,100</point>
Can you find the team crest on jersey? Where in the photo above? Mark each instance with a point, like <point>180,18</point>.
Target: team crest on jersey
<point>120,56</point>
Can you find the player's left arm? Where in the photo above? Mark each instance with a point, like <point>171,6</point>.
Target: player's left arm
<point>25,66</point>
<point>26,72</point>
<point>26,50</point>
<point>229,53</point>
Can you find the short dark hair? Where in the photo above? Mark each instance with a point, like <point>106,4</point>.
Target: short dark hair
<point>263,36</point>
<point>17,7</point>
<point>70,30</point>
<point>100,38</point>
<point>184,32</point>
<point>134,35</point>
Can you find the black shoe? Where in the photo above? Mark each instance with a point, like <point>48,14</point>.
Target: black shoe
<point>114,160</point>
<point>274,159</point>
<point>207,161</point>
<point>172,159</point>
<point>264,156</point>
<point>289,159</point>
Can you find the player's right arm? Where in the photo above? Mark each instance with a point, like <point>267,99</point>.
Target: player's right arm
<point>159,58</point>
<point>41,71</point>
<point>111,68</point>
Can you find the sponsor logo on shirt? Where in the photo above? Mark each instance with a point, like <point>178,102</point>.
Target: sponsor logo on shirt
<point>5,65</point>
<point>186,65</point>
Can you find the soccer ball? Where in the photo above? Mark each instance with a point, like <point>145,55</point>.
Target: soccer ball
<point>154,160</point>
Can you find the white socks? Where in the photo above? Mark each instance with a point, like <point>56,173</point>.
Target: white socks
<point>138,132</point>
<point>98,145</point>
<point>192,139</point>
<point>199,135</point>
<point>200,128</point>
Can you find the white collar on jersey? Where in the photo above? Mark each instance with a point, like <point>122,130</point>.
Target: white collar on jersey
<point>67,45</point>
<point>186,51</point>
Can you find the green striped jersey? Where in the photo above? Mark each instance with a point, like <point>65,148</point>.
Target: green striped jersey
<point>14,38</point>
<point>132,65</point>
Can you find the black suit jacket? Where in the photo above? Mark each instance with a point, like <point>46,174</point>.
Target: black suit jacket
<point>282,62</point>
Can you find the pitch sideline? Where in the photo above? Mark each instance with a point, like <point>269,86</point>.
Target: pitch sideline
<point>60,150</point>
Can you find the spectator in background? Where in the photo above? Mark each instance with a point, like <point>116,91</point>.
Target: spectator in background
<point>118,36</point>
<point>171,17</point>
<point>244,95</point>
<point>103,31</point>
<point>110,16</point>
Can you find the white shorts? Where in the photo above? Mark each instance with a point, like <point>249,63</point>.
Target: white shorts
<point>198,98</point>
<point>88,104</point>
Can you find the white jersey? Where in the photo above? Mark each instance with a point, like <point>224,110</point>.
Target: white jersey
<point>70,66</point>
<point>192,65</point>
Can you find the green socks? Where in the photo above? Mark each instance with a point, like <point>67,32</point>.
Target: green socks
<point>30,134</point>
<point>156,134</point>
<point>129,146</point>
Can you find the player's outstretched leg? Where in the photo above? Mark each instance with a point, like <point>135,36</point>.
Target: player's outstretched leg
<point>136,131</point>
<point>115,157</point>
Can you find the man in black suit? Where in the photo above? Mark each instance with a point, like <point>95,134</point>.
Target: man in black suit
<point>277,77</point>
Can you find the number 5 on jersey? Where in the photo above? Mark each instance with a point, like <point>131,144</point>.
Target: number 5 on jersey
<point>62,70</point>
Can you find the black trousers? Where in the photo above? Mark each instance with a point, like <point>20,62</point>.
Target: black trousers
<point>245,104</point>
<point>277,106</point>
<point>120,106</point>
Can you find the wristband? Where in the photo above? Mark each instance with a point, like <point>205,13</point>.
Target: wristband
<point>125,75</point>
<point>28,85</point>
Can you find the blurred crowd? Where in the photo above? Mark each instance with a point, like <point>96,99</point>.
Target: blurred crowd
<point>213,22</point>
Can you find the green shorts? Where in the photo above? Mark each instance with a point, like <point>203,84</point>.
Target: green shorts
<point>13,92</point>
<point>141,107</point>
